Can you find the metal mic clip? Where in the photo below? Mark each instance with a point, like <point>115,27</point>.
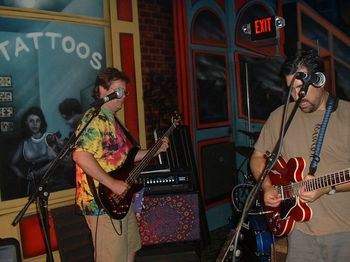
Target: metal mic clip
<point>119,92</point>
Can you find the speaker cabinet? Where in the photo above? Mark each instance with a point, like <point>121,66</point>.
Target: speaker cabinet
<point>170,218</point>
<point>170,228</point>
<point>218,169</point>
<point>178,253</point>
<point>10,250</point>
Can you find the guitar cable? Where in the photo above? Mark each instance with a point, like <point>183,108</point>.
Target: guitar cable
<point>95,236</point>
<point>115,229</point>
<point>273,251</point>
<point>99,203</point>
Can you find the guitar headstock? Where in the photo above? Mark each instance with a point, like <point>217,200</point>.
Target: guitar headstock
<point>176,118</point>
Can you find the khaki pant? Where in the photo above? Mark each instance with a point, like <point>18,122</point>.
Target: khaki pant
<point>326,248</point>
<point>114,239</point>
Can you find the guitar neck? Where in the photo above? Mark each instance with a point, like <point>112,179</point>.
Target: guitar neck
<point>337,178</point>
<point>135,172</point>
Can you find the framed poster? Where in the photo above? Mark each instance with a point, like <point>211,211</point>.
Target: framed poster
<point>46,78</point>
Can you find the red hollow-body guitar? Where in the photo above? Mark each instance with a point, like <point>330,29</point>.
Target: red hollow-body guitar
<point>117,206</point>
<point>287,180</point>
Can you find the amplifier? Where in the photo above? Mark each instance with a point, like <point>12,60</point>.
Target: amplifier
<point>168,182</point>
<point>175,170</point>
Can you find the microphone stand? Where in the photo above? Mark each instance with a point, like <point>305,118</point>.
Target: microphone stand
<point>41,193</point>
<point>270,162</point>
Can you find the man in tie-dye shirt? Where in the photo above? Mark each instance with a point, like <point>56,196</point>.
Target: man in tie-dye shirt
<point>101,148</point>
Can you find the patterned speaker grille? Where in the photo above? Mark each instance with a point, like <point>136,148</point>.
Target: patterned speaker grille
<point>170,218</point>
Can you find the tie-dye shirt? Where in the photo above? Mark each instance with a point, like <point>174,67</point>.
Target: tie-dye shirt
<point>105,140</point>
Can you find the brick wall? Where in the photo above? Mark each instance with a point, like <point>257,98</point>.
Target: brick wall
<point>158,63</point>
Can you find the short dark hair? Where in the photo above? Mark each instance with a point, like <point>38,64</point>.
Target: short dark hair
<point>32,111</point>
<point>69,107</point>
<point>308,59</point>
<point>105,78</point>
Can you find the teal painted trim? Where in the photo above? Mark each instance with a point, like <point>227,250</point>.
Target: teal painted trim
<point>219,216</point>
<point>211,133</point>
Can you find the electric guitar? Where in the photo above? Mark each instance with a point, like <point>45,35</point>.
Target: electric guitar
<point>287,180</point>
<point>117,206</point>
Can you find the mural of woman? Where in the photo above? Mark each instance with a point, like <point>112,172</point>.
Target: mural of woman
<point>36,150</point>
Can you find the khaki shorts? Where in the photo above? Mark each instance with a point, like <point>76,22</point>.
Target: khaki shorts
<point>114,239</point>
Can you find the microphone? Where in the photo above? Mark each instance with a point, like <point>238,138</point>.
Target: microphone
<point>117,94</point>
<point>317,79</point>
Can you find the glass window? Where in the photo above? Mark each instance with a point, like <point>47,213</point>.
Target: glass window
<point>342,77</point>
<point>211,89</point>
<point>42,65</point>
<point>79,7</point>
<point>208,28</point>
<point>314,31</point>
<point>261,90</point>
<point>341,50</point>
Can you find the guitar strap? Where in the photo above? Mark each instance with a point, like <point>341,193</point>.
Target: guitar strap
<point>127,134</point>
<point>90,179</point>
<point>93,190</point>
<point>332,104</point>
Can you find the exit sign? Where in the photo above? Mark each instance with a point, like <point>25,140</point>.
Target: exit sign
<point>263,28</point>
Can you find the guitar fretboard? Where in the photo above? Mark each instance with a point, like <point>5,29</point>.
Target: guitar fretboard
<point>135,172</point>
<point>337,178</point>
